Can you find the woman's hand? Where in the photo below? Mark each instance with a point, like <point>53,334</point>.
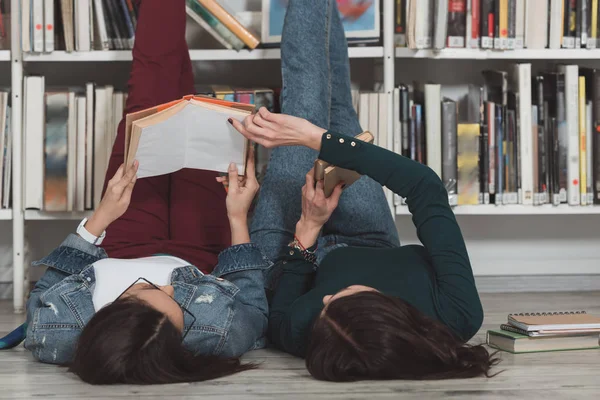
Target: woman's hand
<point>274,130</point>
<point>240,194</point>
<point>115,201</point>
<point>316,209</point>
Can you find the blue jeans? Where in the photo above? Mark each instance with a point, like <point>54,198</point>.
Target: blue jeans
<point>316,86</point>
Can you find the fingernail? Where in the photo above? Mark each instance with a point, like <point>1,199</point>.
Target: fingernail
<point>232,167</point>
<point>230,120</point>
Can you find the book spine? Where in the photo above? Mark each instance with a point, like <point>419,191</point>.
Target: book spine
<point>572,122</point>
<point>590,161</point>
<point>572,22</point>
<point>105,42</point>
<point>561,141</point>
<point>209,28</point>
<point>66,7</point>
<point>497,15</point>
<point>216,24</point>
<point>405,120</point>
<point>400,23</point>
<point>475,33</point>
<point>421,150</point>
<point>48,26</point>
<point>556,156</point>
<point>128,22</point>
<point>38,25</point>
<point>484,173</point>
<point>413,133</point>
<point>468,22</point>
<point>539,87</point>
<point>491,122</point>
<point>449,150</point>
<point>120,24</point>
<point>468,163</point>
<point>456,23</point>
<point>596,136</point>
<point>487,24</point>
<point>231,23</point>
<point>593,28</point>
<point>503,24</point>
<point>440,24</point>
<point>512,24</point>
<point>499,124</point>
<point>433,127</point>
<point>72,152</point>
<point>535,150</point>
<point>525,152</point>
<point>581,32</point>
<point>582,143</point>
<point>26,35</point>
<point>520,24</point>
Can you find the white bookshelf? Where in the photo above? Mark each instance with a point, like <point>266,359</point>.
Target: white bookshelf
<point>37,215</point>
<point>195,55</point>
<point>482,54</point>
<point>4,55</point>
<point>517,209</point>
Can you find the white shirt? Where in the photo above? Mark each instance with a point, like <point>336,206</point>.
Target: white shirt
<point>114,275</point>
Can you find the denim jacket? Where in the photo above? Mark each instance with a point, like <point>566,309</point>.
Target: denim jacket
<point>230,304</point>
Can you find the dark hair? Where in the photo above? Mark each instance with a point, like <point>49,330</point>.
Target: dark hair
<point>370,335</point>
<point>130,342</point>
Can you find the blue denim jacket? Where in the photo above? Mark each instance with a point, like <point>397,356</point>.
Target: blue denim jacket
<point>230,304</point>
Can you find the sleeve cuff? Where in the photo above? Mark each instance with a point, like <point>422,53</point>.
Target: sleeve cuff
<point>73,255</point>
<point>240,258</point>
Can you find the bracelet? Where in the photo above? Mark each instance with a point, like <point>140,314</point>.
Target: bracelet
<point>308,255</point>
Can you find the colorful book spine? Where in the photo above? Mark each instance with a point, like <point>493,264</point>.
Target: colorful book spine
<point>487,24</point>
<point>582,142</point>
<point>456,23</point>
<point>230,22</point>
<point>468,164</point>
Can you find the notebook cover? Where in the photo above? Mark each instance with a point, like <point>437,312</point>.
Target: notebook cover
<point>558,320</point>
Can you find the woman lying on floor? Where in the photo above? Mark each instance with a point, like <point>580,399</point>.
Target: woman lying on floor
<point>139,316</point>
<point>347,296</point>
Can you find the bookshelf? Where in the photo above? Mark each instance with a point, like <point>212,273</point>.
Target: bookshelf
<point>483,54</point>
<point>517,209</point>
<point>483,244</point>
<point>195,55</point>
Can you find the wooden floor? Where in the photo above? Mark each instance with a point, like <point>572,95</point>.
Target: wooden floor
<point>563,375</point>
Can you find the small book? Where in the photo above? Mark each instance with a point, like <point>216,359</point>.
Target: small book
<point>189,133</point>
<point>332,175</point>
<point>567,332</point>
<point>554,321</point>
<point>517,343</point>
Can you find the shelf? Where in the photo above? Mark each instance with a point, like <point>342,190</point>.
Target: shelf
<point>516,210</point>
<point>5,214</point>
<point>4,55</point>
<point>195,55</point>
<point>37,215</point>
<point>481,54</point>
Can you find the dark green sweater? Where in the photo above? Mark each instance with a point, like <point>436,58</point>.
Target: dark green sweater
<point>436,278</point>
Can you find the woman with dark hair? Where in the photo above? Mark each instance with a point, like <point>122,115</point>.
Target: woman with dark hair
<point>347,296</point>
<point>182,295</point>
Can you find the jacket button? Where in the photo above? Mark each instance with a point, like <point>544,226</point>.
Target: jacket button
<point>341,140</point>
<point>89,279</point>
<point>328,136</point>
<point>353,144</point>
<point>291,252</point>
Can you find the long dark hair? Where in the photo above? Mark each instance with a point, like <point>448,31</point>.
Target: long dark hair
<point>131,342</point>
<point>370,335</point>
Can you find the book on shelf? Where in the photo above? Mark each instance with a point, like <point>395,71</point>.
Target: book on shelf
<point>537,137</point>
<point>361,20</point>
<point>85,25</point>
<point>5,150</point>
<point>497,24</point>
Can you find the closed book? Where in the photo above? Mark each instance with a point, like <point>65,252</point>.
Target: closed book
<point>89,145</point>
<point>224,93</point>
<point>405,119</point>
<point>520,24</point>
<point>400,23</point>
<point>538,100</point>
<point>521,82</point>
<point>564,332</point>
<point>441,21</point>
<point>536,162</point>
<point>582,142</point>
<point>72,152</point>
<point>582,22</point>
<point>56,152</point>
<point>571,73</point>
<point>66,8</point>
<point>490,116</point>
<point>7,170</point>
<point>468,163</point>
<point>554,321</point>
<point>26,35</point>
<point>80,173</point>
<point>104,41</point>
<point>536,26</point>
<point>592,42</point>
<point>37,22</point>
<point>199,13</point>
<point>83,40</point>
<point>502,32</point>
<point>473,24</point>
<point>420,34</point>
<point>363,111</point>
<point>33,142</point>
<point>510,159</point>
<point>449,150</point>
<point>512,23</point>
<point>592,92</point>
<point>374,116</point>
<point>589,131</point>
<point>457,19</point>
<point>500,126</point>
<point>430,96</point>
<point>127,21</point>
<point>568,10</point>
<point>487,25</point>
<point>231,23</point>
<point>4,133</point>
<point>554,97</point>
<point>516,343</point>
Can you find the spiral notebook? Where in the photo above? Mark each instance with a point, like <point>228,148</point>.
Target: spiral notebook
<point>554,321</point>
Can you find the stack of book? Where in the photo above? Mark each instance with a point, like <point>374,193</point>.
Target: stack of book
<point>497,24</point>
<point>517,139</point>
<point>69,135</point>
<point>5,151</point>
<point>529,333</point>
<point>85,25</point>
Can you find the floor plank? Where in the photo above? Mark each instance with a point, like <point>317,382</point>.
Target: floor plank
<point>563,375</point>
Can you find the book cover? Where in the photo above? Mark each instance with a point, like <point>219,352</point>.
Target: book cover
<point>468,163</point>
<point>400,23</point>
<point>457,23</point>
<point>360,18</point>
<point>56,151</point>
<point>245,96</point>
<point>224,93</point>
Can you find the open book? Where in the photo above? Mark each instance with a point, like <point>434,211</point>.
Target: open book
<point>189,133</point>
